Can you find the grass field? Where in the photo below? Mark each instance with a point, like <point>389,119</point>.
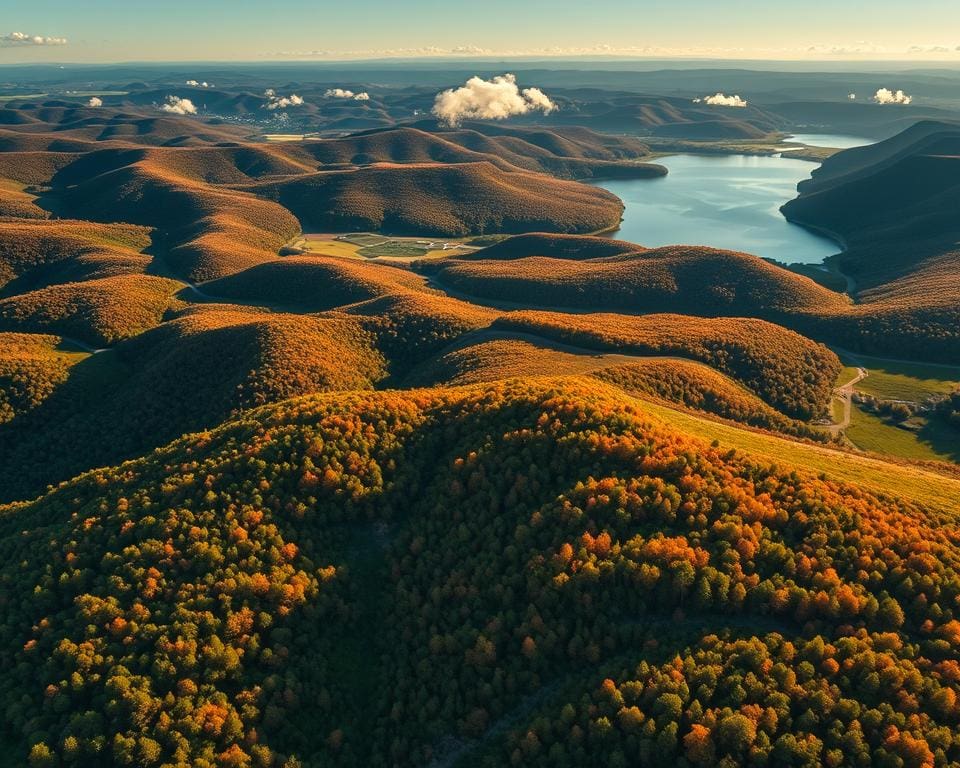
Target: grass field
<point>915,382</point>
<point>930,442</point>
<point>836,410</point>
<point>914,483</point>
<point>284,137</point>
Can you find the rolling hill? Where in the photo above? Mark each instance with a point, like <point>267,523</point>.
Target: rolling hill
<point>681,600</point>
<point>693,279</point>
<point>447,200</point>
<point>671,379</point>
<point>271,511</point>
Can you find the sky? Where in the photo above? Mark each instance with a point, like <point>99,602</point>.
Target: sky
<point>254,30</point>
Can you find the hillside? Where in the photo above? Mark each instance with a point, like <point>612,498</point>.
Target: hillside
<point>570,154</point>
<point>788,371</point>
<point>915,316</point>
<point>190,373</point>
<point>32,366</point>
<point>904,189</point>
<point>493,357</point>
<point>693,279</point>
<point>313,283</point>
<point>448,200</point>
<point>894,205</point>
<point>734,605</point>
<point>97,312</point>
<point>36,254</point>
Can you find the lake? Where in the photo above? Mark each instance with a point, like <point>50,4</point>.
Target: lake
<point>724,201</point>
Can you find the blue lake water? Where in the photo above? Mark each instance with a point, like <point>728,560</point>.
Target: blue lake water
<point>724,201</point>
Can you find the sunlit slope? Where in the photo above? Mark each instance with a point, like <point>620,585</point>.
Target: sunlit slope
<point>913,316</point>
<point>788,371</point>
<point>36,254</point>
<point>492,356</point>
<point>693,279</point>
<point>443,199</point>
<point>97,312</point>
<point>571,153</point>
<point>189,373</point>
<point>475,552</point>
<point>32,366</point>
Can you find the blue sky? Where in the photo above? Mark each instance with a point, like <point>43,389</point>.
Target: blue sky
<point>254,30</point>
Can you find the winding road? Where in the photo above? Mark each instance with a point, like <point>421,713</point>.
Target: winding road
<point>845,394</point>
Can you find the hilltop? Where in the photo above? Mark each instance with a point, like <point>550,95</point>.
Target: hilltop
<point>443,199</point>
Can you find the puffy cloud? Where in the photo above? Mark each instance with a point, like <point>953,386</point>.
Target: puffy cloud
<point>95,102</point>
<point>19,38</point>
<point>852,96</point>
<point>886,96</point>
<point>722,100</point>
<point>281,102</point>
<point>495,99</point>
<point>342,93</point>
<point>198,84</point>
<point>177,106</point>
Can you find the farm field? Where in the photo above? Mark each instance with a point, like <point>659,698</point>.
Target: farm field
<point>368,245</point>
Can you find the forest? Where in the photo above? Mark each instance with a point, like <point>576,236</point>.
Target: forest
<point>385,569</point>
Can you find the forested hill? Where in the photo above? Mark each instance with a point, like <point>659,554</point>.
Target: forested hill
<point>381,578</point>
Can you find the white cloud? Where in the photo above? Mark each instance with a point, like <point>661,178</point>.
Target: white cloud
<point>19,38</point>
<point>886,96</point>
<point>495,99</point>
<point>198,84</point>
<point>722,100</point>
<point>177,106</point>
<point>852,96</point>
<point>928,49</point>
<point>343,93</point>
<point>281,102</point>
<point>95,102</point>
